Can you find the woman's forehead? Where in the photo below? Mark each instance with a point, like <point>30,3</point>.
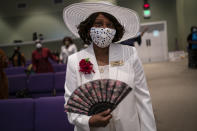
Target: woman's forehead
<point>102,17</point>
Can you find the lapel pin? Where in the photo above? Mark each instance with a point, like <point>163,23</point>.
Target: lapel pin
<point>117,63</point>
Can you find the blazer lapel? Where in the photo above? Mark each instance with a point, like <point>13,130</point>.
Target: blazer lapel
<point>89,53</point>
<point>115,54</point>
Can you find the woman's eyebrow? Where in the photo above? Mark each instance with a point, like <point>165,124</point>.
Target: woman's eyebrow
<point>99,19</point>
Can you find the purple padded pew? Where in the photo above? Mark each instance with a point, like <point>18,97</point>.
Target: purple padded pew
<point>41,84</point>
<point>59,83</point>
<point>16,83</point>
<point>59,67</point>
<point>17,115</point>
<point>15,70</point>
<point>50,115</point>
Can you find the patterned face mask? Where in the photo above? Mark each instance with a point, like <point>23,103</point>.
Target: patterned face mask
<point>102,37</point>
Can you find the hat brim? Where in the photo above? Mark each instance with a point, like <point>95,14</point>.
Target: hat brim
<point>76,13</point>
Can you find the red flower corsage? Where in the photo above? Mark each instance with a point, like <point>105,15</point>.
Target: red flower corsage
<point>86,66</point>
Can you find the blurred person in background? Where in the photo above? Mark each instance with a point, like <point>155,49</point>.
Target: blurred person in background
<point>40,58</point>
<point>3,78</point>
<point>18,58</point>
<point>41,37</point>
<point>192,38</point>
<point>138,39</point>
<point>192,48</point>
<point>67,49</point>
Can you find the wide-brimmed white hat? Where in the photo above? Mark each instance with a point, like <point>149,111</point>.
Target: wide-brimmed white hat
<point>75,13</point>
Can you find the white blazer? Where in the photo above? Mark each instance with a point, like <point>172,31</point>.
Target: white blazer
<point>64,53</point>
<point>135,112</point>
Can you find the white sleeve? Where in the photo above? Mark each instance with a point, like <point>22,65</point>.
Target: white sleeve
<point>73,49</point>
<point>144,105</point>
<point>81,121</point>
<point>61,55</point>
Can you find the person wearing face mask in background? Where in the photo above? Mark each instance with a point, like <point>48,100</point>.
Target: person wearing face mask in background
<point>40,58</point>
<point>192,48</point>
<point>192,38</point>
<point>102,26</point>
<point>18,58</point>
<point>68,48</point>
<point>138,39</point>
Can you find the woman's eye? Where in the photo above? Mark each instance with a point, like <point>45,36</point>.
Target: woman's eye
<point>110,25</point>
<point>98,24</point>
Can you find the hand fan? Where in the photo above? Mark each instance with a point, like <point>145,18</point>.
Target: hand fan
<point>97,96</point>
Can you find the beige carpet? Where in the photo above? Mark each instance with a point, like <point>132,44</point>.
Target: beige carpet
<point>173,89</point>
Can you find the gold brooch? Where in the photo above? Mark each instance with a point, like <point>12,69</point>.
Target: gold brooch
<point>117,63</point>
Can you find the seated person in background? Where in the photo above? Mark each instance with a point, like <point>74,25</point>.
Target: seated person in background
<point>137,39</point>
<point>67,49</point>
<point>192,38</point>
<point>40,58</point>
<point>3,77</point>
<point>18,58</point>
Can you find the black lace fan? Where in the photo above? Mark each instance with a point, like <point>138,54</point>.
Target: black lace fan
<point>97,96</point>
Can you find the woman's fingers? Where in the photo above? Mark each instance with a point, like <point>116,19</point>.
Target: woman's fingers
<point>100,119</point>
<point>105,113</point>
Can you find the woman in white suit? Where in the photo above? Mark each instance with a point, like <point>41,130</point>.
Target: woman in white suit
<point>68,48</point>
<point>102,25</point>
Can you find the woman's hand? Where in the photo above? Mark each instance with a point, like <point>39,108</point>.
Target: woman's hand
<point>100,119</point>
